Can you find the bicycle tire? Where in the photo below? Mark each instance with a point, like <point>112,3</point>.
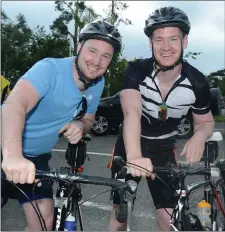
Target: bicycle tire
<point>217,217</point>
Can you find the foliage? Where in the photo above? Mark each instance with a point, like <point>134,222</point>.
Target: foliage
<point>113,12</point>
<point>192,55</point>
<point>219,118</point>
<point>22,47</point>
<point>217,79</point>
<point>76,12</point>
<point>114,75</point>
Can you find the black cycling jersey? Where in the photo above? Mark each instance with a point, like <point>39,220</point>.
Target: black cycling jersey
<point>191,90</point>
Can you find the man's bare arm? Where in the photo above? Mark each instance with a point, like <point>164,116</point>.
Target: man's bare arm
<point>88,121</point>
<point>132,109</point>
<point>21,100</point>
<point>204,125</point>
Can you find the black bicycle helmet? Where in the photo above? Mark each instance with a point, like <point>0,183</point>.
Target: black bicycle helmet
<point>99,30</point>
<point>167,17</point>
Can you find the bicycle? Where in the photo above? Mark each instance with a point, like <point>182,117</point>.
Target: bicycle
<point>214,189</point>
<point>68,195</point>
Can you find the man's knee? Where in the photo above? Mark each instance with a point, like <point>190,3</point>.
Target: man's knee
<point>46,207</point>
<point>114,225</point>
<point>163,218</point>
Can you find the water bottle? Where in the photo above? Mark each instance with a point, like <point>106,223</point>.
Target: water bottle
<point>70,223</point>
<point>203,212</point>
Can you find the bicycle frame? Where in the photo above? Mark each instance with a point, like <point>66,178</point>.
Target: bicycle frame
<point>180,207</point>
<point>68,196</point>
<point>185,192</point>
<point>63,199</point>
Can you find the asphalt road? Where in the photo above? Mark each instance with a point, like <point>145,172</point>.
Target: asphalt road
<point>96,212</point>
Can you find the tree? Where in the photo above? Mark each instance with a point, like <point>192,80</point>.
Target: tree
<point>192,55</point>
<point>217,79</point>
<point>47,45</point>
<point>76,11</point>
<point>113,12</point>
<point>115,72</point>
<point>22,47</point>
<point>115,75</point>
<point>15,43</point>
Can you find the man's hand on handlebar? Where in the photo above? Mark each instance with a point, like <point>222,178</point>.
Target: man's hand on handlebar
<point>138,171</point>
<point>18,169</point>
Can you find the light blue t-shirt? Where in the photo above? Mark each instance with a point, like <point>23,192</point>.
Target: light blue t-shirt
<point>59,98</point>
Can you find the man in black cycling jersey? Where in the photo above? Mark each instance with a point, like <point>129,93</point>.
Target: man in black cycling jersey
<point>156,93</point>
<point>42,107</point>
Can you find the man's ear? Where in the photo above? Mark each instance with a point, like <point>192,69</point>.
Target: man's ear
<point>79,47</point>
<point>150,43</point>
<point>185,42</point>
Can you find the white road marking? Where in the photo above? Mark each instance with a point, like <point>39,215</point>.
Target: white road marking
<point>109,208</point>
<point>89,153</point>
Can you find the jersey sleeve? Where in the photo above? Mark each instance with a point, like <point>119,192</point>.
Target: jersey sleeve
<point>41,76</point>
<point>95,95</point>
<point>131,76</point>
<point>202,93</point>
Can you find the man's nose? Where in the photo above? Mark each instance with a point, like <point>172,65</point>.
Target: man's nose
<point>166,45</point>
<point>97,60</point>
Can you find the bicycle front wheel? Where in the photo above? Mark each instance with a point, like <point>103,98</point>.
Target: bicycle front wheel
<point>218,207</point>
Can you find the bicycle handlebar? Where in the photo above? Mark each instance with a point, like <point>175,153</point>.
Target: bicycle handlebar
<point>183,167</point>
<point>85,179</point>
<point>129,186</point>
<point>187,169</point>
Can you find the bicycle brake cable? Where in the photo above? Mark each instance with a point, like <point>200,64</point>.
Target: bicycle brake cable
<point>36,211</point>
<point>167,185</point>
<point>93,196</point>
<point>151,173</point>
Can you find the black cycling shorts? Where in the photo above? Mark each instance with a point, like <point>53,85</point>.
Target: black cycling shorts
<point>45,191</point>
<point>159,156</point>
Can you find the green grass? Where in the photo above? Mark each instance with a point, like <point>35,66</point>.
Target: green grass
<point>219,118</point>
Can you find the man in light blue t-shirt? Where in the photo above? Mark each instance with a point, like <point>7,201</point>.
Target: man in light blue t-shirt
<point>42,107</point>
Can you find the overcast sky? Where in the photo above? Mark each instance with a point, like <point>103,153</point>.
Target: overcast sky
<point>206,36</point>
